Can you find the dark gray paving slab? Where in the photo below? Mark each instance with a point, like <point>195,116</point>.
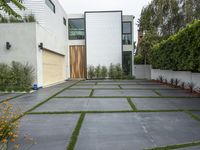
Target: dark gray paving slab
<point>8,96</point>
<point>74,93</point>
<point>95,87</point>
<point>112,132</point>
<point>187,103</point>
<point>50,132</point>
<point>176,93</point>
<point>190,148</point>
<point>167,103</point>
<point>28,101</point>
<point>147,86</point>
<point>124,93</point>
<point>153,104</point>
<point>170,128</point>
<point>84,104</point>
<point>196,113</point>
<point>136,130</point>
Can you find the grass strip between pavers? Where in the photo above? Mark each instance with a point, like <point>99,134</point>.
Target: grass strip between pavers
<point>75,133</point>
<point>8,99</point>
<point>125,97</point>
<point>44,101</point>
<point>193,115</point>
<point>176,146</point>
<point>131,104</point>
<point>106,111</point>
<point>91,93</point>
<point>157,93</point>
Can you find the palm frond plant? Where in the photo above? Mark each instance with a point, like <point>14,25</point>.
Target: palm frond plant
<point>4,6</point>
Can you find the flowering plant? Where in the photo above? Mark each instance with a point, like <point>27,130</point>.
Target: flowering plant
<point>9,124</point>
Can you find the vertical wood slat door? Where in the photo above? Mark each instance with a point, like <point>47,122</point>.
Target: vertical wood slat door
<point>77,61</point>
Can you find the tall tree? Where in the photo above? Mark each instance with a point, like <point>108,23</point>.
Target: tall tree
<point>5,8</point>
<point>163,18</point>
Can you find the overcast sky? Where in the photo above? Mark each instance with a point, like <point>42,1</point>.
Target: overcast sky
<point>129,7</point>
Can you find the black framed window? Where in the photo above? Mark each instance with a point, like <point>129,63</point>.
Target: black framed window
<point>64,21</point>
<point>51,5</point>
<point>76,29</point>
<point>127,33</point>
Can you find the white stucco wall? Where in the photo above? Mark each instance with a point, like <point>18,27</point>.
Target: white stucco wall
<point>103,38</point>
<point>51,42</point>
<point>183,76</point>
<point>142,71</point>
<point>22,37</point>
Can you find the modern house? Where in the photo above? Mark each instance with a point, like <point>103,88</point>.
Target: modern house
<point>61,46</point>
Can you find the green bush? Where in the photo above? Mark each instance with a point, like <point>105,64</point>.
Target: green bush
<point>138,59</point>
<point>91,72</point>
<point>16,77</point>
<point>104,72</point>
<point>111,71</point>
<point>98,72</point>
<point>118,72</point>
<point>179,52</point>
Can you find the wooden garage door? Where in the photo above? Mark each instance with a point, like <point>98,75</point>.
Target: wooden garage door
<point>53,67</point>
<point>77,61</point>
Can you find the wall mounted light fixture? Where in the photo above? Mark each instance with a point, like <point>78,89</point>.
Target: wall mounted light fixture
<point>8,45</point>
<point>41,46</point>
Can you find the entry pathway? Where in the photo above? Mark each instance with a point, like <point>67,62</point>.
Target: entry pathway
<point>110,115</point>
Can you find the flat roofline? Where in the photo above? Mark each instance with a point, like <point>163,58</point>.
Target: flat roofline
<point>108,11</point>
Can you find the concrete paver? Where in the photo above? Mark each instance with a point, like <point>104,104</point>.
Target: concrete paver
<point>50,132</point>
<point>84,104</point>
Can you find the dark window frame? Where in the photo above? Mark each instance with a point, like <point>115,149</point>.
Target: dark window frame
<point>54,7</point>
<point>131,31</point>
<point>76,30</point>
<point>64,21</point>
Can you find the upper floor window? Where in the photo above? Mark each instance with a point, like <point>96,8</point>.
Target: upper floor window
<point>76,29</point>
<point>51,5</point>
<point>127,33</point>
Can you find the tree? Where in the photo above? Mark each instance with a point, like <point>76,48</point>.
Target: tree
<point>163,18</point>
<point>5,8</point>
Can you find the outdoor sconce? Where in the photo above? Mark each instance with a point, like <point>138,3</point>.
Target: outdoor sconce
<point>41,46</point>
<point>8,45</point>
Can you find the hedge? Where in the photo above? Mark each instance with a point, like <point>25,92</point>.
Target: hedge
<point>16,77</point>
<point>180,52</point>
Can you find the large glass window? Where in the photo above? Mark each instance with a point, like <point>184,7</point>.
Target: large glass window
<point>76,29</point>
<point>51,5</point>
<point>127,33</point>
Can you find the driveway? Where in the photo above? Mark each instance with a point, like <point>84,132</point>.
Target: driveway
<point>109,115</point>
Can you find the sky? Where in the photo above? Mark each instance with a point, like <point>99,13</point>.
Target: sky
<point>129,7</point>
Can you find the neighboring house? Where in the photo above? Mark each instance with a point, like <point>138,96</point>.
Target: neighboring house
<point>70,43</point>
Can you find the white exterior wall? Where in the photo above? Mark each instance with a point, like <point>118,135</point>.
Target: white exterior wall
<point>22,38</point>
<point>183,76</point>
<point>142,71</point>
<point>103,38</point>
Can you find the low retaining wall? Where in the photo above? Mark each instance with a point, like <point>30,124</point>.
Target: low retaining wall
<point>142,71</point>
<point>183,76</point>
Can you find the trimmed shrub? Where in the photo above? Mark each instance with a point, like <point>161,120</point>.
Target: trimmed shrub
<point>138,59</point>
<point>118,72</point>
<point>16,77</point>
<point>104,72</point>
<point>179,52</point>
<point>111,71</point>
<point>91,72</point>
<point>98,72</point>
